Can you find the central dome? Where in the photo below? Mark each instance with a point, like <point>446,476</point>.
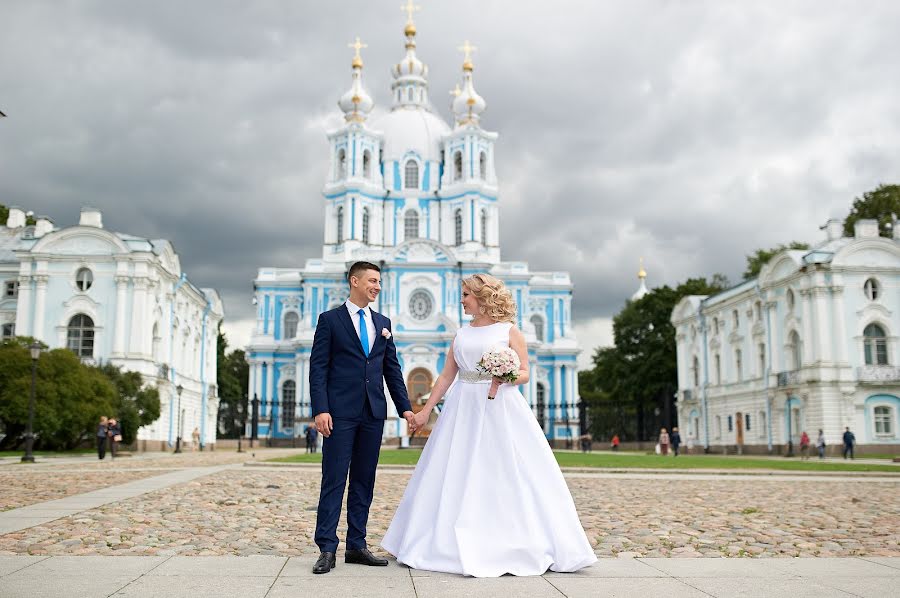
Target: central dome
<point>412,129</point>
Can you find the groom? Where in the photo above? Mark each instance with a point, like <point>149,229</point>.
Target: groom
<point>353,355</point>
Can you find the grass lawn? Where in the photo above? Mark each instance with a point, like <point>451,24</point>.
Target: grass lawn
<point>75,452</point>
<point>632,461</point>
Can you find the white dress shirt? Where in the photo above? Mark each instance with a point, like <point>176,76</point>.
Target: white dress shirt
<point>370,325</point>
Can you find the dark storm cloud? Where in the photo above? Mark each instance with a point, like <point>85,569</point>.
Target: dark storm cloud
<point>687,133</point>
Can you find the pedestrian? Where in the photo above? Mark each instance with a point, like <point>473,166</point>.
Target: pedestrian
<point>615,443</point>
<point>849,441</point>
<point>676,440</point>
<point>586,442</point>
<point>311,437</point>
<point>102,432</point>
<point>804,445</point>
<point>820,444</point>
<point>195,439</point>
<point>115,436</point>
<point>663,442</point>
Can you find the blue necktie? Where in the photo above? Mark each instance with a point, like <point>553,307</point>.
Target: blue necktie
<point>363,333</point>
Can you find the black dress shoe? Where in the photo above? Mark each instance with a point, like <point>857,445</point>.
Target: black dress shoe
<point>325,563</point>
<point>364,557</point>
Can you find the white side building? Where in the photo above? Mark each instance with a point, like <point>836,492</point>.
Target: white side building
<point>112,297</point>
<point>810,344</point>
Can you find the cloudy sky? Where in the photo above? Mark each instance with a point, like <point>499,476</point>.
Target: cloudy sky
<point>689,133</point>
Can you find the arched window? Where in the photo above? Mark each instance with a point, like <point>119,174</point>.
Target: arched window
<point>540,402</point>
<point>790,300</point>
<point>538,323</point>
<point>156,341</point>
<point>457,166</point>
<point>736,319</point>
<point>342,163</point>
<point>695,369</point>
<point>875,345</point>
<point>367,164</point>
<point>340,224</point>
<point>484,227</point>
<point>288,403</point>
<point>81,336</point>
<point>291,319</point>
<point>409,94</point>
<point>872,289</point>
<point>411,224</point>
<point>365,225</point>
<point>482,165</point>
<point>84,279</point>
<point>457,222</point>
<point>796,350</point>
<point>411,175</point>
<point>718,364</point>
<point>884,421</point>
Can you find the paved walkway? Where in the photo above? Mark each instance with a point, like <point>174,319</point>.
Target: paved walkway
<point>275,577</point>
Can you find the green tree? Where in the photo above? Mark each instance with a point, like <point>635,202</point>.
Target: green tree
<point>4,215</point>
<point>882,204</point>
<point>638,374</point>
<point>136,404</point>
<point>760,257</point>
<point>233,373</point>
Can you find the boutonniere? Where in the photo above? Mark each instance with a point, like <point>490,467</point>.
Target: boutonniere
<point>385,333</point>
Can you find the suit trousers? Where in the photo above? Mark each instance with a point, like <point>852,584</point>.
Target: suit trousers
<point>353,447</point>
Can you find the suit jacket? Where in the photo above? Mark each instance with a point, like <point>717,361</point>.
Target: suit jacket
<point>342,378</point>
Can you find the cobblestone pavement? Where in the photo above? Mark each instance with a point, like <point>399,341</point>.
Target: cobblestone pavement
<point>22,486</point>
<point>244,511</point>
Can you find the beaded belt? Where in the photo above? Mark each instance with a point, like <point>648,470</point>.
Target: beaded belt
<point>473,376</point>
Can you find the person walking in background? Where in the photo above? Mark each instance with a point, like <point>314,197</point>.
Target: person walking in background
<point>115,436</point>
<point>586,442</point>
<point>820,444</point>
<point>676,440</point>
<point>615,442</point>
<point>312,437</point>
<point>102,432</point>
<point>663,442</point>
<point>849,441</point>
<point>804,445</point>
<point>195,439</point>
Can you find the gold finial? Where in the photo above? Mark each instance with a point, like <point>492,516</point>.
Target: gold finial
<point>357,58</point>
<point>468,49</point>
<point>410,8</point>
<point>456,91</point>
<point>642,274</point>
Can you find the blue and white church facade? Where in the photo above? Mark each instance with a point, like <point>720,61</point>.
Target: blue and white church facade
<point>419,198</point>
<point>810,344</point>
<point>117,298</point>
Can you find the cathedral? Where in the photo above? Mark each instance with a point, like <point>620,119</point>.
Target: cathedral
<point>420,198</point>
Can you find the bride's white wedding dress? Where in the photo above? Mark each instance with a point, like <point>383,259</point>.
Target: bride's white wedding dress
<point>487,497</point>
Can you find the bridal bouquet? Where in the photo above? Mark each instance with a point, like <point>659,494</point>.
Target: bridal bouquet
<point>500,362</point>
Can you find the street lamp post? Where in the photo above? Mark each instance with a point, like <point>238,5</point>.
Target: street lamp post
<point>28,457</point>
<point>254,422</point>
<point>565,407</point>
<point>179,390</point>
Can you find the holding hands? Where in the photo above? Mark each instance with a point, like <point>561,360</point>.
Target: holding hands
<point>411,421</point>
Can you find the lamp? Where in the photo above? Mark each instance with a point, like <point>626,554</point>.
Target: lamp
<point>28,457</point>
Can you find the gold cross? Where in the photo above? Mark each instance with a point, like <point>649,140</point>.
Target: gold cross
<point>410,8</point>
<point>358,45</point>
<point>468,49</point>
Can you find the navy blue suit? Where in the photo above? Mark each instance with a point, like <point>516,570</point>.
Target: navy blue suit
<point>350,386</point>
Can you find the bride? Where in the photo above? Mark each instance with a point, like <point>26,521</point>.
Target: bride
<point>487,496</point>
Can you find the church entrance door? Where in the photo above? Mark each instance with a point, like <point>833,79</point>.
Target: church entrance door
<point>418,385</point>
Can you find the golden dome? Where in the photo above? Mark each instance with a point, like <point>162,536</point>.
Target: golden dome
<point>410,29</point>
<point>642,274</point>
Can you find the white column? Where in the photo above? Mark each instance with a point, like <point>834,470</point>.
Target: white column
<point>23,309</point>
<point>139,318</point>
<point>807,342</point>
<point>270,388</point>
<point>822,324</point>
<point>40,303</point>
<point>121,293</point>
<point>557,382</point>
<point>840,324</point>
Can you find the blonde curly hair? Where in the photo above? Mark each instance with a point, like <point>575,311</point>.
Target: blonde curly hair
<point>493,297</point>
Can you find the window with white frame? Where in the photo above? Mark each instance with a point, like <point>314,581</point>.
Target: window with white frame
<point>288,403</point>
<point>11,289</point>
<point>790,300</point>
<point>457,224</point>
<point>484,227</point>
<point>291,320</point>
<point>457,166</point>
<point>761,355</point>
<point>367,164</point>
<point>482,165</point>
<point>717,360</point>
<point>80,335</point>
<point>8,331</point>
<point>341,163</point>
<point>695,369</point>
<point>718,426</point>
<point>730,424</point>
<point>411,175</point>
<point>411,224</point>
<point>538,323</point>
<point>758,311</point>
<point>795,350</point>
<point>339,215</point>
<point>747,421</point>
<point>736,319</point>
<point>872,289</point>
<point>365,226</point>
<point>84,279</point>
<point>875,345</point>
<point>884,420</point>
<point>715,326</point>
<point>739,365</point>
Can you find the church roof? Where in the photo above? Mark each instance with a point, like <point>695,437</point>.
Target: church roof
<point>412,129</point>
